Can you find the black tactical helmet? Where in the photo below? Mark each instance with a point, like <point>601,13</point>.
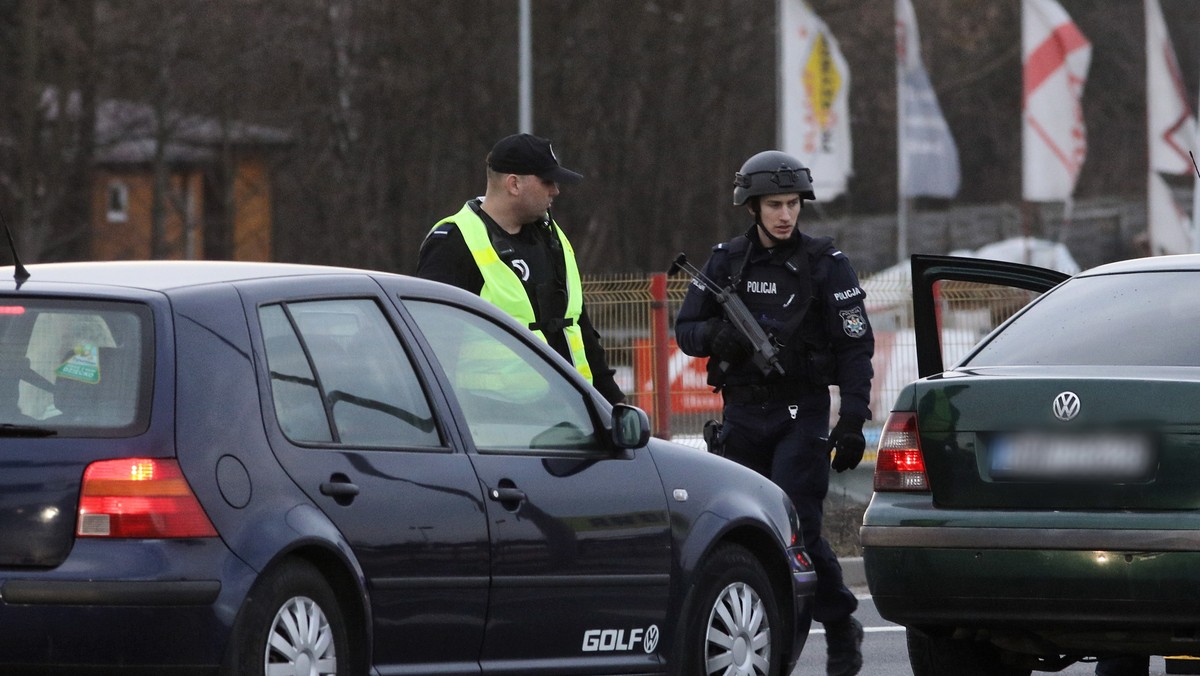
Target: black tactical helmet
<point>772,172</point>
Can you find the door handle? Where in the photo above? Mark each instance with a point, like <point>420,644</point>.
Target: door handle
<point>340,488</point>
<point>507,494</point>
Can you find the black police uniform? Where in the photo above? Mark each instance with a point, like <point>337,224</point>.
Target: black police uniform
<point>804,294</point>
<point>534,255</point>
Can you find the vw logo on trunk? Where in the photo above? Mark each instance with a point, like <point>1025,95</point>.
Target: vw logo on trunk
<point>1066,406</point>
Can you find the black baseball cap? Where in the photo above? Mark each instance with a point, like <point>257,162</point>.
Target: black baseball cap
<point>529,155</point>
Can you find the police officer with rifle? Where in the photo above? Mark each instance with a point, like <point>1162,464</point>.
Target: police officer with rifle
<point>804,299</point>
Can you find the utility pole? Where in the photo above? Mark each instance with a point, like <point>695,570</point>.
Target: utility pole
<point>525,68</point>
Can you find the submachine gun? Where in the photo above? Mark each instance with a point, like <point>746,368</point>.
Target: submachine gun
<point>766,353</point>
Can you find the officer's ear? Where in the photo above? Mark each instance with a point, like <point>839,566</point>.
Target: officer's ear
<point>753,207</point>
<point>498,182</point>
<point>512,184</point>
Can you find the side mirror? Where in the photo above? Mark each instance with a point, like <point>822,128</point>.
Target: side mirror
<point>630,426</point>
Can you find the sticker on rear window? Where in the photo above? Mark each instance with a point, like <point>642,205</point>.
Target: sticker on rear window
<point>83,365</point>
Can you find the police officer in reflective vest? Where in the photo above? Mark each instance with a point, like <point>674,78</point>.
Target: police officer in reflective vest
<point>506,247</point>
<point>806,296</point>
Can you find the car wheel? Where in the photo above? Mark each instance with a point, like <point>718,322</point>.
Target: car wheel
<point>945,656</point>
<point>731,623</point>
<point>291,624</point>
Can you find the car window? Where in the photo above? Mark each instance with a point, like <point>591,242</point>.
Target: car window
<point>344,358</point>
<point>81,368</point>
<point>1137,319</point>
<point>513,399</point>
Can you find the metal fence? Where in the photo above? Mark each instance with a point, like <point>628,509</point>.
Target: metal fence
<point>635,315</point>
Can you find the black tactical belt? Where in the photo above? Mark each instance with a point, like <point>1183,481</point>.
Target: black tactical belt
<point>766,392</point>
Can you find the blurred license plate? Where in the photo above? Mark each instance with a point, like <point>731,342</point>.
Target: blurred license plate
<point>1094,457</point>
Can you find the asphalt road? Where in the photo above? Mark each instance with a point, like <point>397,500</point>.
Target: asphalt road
<point>884,651</point>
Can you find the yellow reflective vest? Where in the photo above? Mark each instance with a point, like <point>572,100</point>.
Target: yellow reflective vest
<point>504,289</point>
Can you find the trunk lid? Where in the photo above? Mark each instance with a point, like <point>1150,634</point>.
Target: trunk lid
<point>996,438</point>
<point>75,387</point>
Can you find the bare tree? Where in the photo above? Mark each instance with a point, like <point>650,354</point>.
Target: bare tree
<point>55,111</point>
<point>393,105</point>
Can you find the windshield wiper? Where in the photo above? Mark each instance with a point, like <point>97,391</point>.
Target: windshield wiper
<point>11,430</point>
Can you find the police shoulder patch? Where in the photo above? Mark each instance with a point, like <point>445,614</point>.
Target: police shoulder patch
<point>854,323</point>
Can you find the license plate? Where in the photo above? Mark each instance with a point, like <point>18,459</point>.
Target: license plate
<point>1092,457</point>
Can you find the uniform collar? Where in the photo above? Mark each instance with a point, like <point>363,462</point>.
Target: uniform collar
<point>758,251</point>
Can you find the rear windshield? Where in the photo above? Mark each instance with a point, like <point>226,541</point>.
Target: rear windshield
<point>1136,319</point>
<point>74,368</point>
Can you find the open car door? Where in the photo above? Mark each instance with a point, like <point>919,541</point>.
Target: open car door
<point>972,279</point>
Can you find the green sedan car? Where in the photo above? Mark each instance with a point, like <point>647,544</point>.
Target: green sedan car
<point>1038,502</point>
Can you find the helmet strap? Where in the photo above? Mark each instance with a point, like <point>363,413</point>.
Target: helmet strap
<point>763,229</point>
<point>756,208</point>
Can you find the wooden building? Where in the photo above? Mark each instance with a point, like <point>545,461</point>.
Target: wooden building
<point>218,200</point>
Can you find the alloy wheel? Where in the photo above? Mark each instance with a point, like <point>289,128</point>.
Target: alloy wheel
<point>301,641</point>
<point>738,640</point>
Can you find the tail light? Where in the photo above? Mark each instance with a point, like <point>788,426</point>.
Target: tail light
<point>139,498</point>
<point>900,466</point>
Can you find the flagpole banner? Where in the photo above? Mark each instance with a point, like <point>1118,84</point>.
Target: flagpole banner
<point>1171,128</point>
<point>927,153</point>
<point>1170,227</point>
<point>1195,201</point>
<point>814,83</point>
<point>1056,57</point>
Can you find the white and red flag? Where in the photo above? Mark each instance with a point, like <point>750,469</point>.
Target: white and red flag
<point>1170,228</point>
<point>814,108</point>
<point>1195,203</point>
<point>1171,128</point>
<point>1056,57</point>
<point>1171,133</point>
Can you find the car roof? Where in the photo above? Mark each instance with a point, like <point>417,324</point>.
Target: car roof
<point>120,278</point>
<point>166,275</point>
<point>1148,264</point>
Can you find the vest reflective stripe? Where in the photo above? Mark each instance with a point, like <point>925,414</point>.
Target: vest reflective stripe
<point>502,287</point>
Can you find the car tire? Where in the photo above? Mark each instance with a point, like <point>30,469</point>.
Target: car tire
<point>733,601</point>
<point>291,623</point>
<point>932,655</point>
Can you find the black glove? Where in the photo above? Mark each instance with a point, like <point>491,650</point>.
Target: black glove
<point>725,343</point>
<point>847,443</point>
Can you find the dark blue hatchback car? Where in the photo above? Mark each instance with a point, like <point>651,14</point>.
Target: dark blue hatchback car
<point>280,469</point>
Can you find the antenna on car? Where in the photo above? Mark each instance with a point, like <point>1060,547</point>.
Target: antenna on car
<point>1193,156</point>
<point>21,273</point>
